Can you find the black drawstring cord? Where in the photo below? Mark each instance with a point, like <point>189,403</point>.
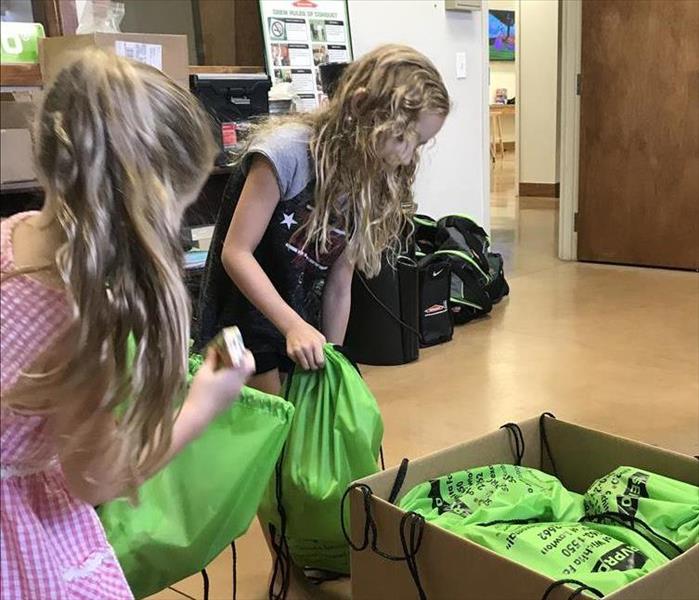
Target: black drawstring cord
<point>235,570</point>
<point>410,543</point>
<point>545,443</point>
<point>518,436</point>
<point>205,577</point>
<point>382,459</point>
<point>398,481</point>
<point>282,560</point>
<point>630,523</point>
<point>368,521</point>
<point>582,588</point>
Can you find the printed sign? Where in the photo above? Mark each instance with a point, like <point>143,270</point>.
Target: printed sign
<point>150,54</point>
<point>301,35</point>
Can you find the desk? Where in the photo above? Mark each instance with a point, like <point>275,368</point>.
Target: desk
<point>496,113</point>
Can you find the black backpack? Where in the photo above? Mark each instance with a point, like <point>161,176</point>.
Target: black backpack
<point>458,232</point>
<point>477,275</point>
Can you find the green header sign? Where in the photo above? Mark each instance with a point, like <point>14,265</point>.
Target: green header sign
<point>20,42</point>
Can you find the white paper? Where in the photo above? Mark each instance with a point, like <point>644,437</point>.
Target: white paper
<point>149,54</point>
<point>307,102</point>
<point>337,54</point>
<point>335,32</point>
<point>303,81</point>
<point>300,55</point>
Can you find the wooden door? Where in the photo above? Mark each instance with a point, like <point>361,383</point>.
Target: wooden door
<point>639,133</point>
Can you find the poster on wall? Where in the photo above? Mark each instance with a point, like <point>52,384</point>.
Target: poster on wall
<point>301,35</point>
<point>501,34</point>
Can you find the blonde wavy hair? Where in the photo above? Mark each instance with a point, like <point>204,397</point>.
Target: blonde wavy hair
<point>121,150</point>
<point>356,190</point>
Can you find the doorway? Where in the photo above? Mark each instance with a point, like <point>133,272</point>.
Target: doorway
<point>523,95</point>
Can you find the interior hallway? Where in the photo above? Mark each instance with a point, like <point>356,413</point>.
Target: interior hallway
<point>613,348</point>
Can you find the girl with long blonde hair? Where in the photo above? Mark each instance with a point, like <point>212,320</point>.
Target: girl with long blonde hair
<point>121,151</point>
<point>319,195</point>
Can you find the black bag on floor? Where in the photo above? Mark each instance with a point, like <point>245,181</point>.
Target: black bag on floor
<point>462,234</point>
<point>425,235</point>
<point>383,327</point>
<point>468,296</point>
<point>436,323</point>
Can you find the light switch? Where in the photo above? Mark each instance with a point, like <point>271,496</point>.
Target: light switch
<point>461,65</point>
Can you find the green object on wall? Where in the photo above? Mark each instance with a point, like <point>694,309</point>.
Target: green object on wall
<point>20,42</point>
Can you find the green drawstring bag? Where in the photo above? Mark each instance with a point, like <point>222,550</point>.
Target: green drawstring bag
<point>604,561</point>
<point>663,509</point>
<point>493,493</point>
<point>335,438</point>
<point>203,499</point>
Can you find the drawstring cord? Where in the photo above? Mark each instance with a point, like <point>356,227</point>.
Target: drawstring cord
<point>630,522</point>
<point>545,443</point>
<point>205,577</point>
<point>411,531</point>
<point>518,437</point>
<point>582,588</point>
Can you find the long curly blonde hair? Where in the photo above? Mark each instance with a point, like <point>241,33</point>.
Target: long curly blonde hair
<point>121,150</point>
<point>355,190</point>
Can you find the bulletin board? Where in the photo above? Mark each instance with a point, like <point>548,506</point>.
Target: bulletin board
<point>301,35</point>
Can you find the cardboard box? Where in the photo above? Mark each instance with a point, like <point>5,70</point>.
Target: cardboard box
<point>451,567</point>
<point>16,114</point>
<point>169,53</point>
<point>17,162</point>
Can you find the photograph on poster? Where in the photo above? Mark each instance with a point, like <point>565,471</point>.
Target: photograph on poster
<point>282,76</point>
<point>280,55</point>
<point>320,55</point>
<point>318,30</point>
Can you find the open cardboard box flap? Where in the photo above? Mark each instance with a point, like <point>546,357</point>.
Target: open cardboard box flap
<point>452,567</point>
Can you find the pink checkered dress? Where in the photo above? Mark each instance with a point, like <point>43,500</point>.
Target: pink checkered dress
<point>52,544</point>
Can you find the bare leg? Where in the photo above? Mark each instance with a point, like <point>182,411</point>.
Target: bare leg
<point>269,382</point>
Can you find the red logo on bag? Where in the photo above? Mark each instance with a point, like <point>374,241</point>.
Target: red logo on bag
<point>436,309</point>
<point>229,135</point>
<point>305,4</point>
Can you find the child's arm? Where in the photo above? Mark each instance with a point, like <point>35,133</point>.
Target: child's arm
<point>337,297</point>
<point>259,198</point>
<point>97,477</point>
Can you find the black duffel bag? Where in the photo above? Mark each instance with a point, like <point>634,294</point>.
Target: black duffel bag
<point>384,326</point>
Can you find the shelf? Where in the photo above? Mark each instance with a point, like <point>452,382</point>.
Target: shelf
<point>20,76</point>
<point>20,187</point>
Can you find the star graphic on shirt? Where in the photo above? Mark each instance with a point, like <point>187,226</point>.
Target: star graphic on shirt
<point>288,220</point>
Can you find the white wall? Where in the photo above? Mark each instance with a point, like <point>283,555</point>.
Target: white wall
<point>454,174</point>
<point>537,36</point>
<point>503,74</point>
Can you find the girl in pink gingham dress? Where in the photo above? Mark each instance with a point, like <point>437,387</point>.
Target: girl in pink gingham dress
<point>121,151</point>
<point>52,544</point>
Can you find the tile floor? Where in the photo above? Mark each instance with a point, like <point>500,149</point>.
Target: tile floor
<point>614,348</point>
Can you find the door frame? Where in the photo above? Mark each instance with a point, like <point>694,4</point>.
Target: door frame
<point>569,135</point>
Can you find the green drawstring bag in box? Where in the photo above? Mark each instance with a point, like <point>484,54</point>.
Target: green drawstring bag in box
<point>492,494</point>
<point>205,498</point>
<point>662,509</point>
<point>335,438</point>
<point>600,560</point>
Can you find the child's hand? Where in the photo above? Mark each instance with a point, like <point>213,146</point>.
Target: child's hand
<point>304,345</point>
<point>213,390</point>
